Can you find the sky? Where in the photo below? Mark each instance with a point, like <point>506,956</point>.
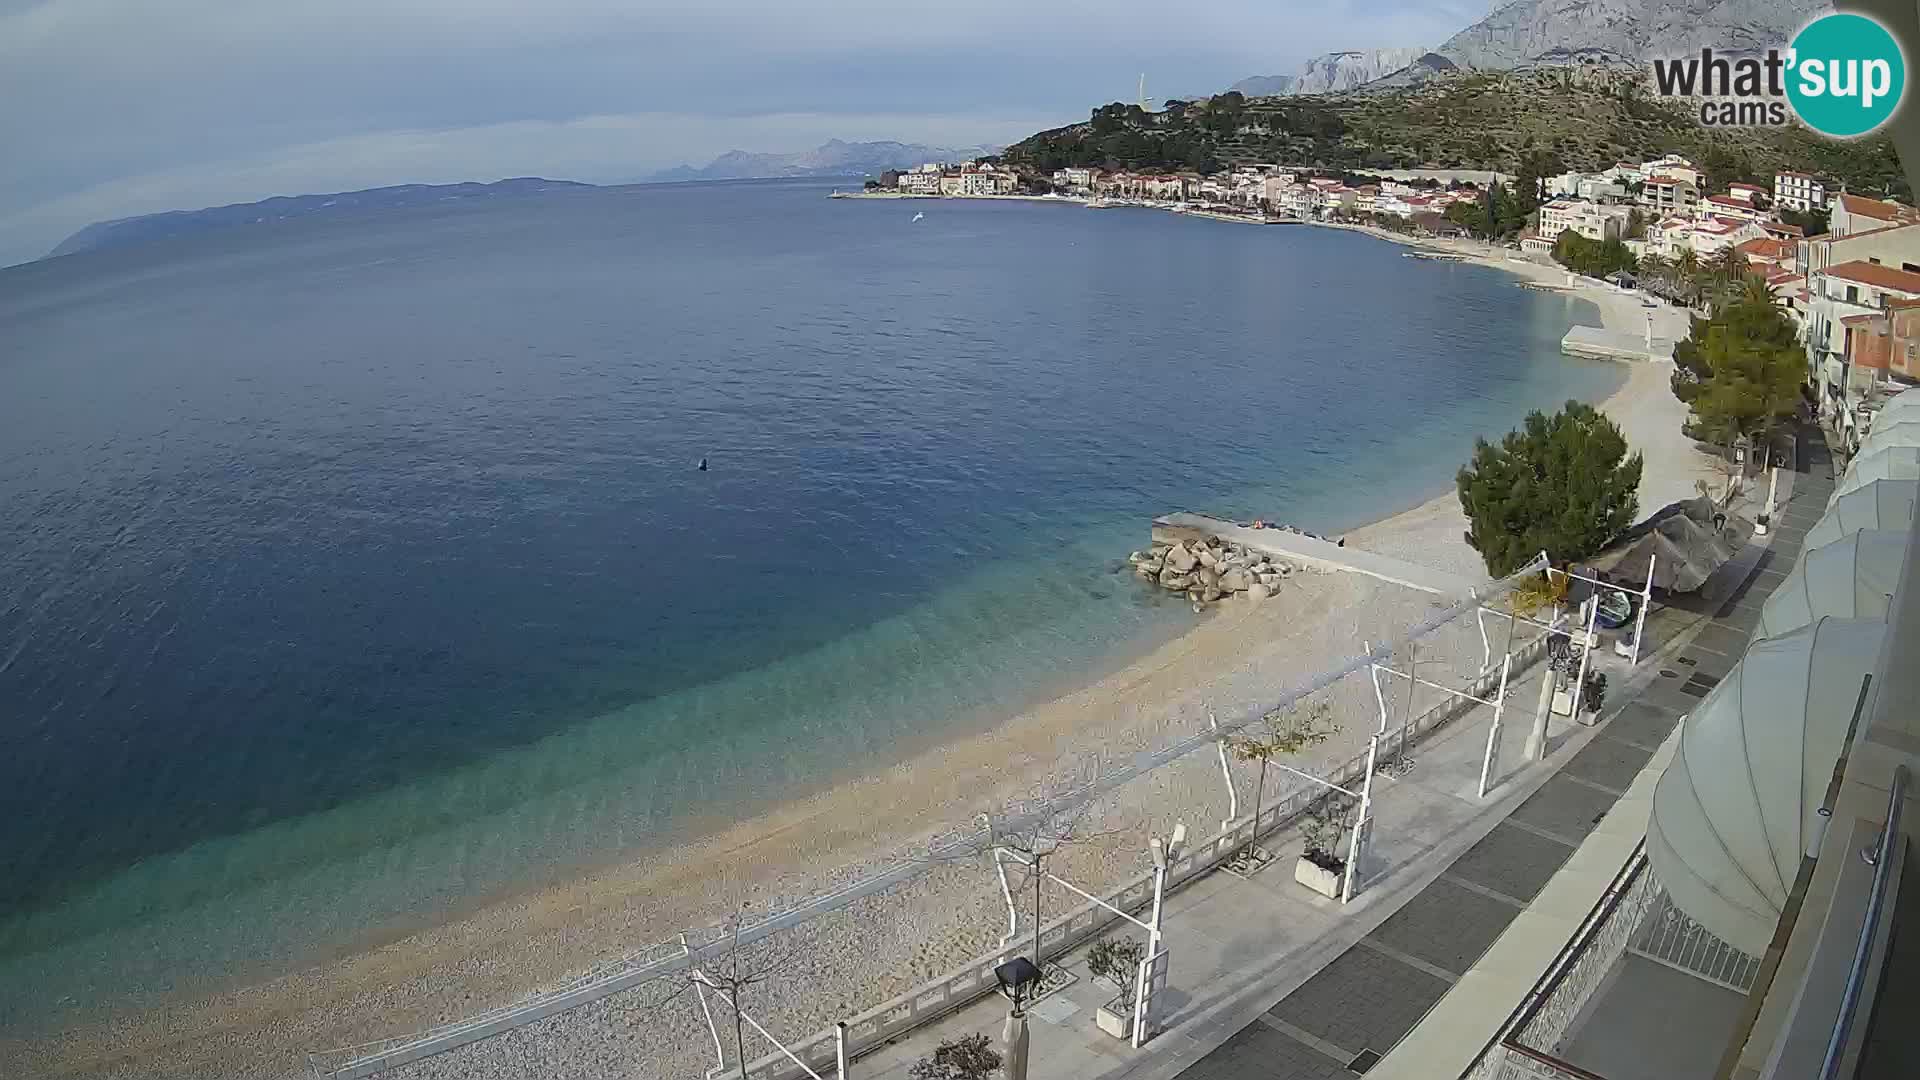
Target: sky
<point>110,108</point>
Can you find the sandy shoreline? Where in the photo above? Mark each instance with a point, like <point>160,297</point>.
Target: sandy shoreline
<point>1232,659</point>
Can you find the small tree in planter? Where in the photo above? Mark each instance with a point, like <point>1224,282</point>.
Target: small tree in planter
<point>1322,826</point>
<point>969,1057</point>
<point>1116,961</point>
<point>1280,733</point>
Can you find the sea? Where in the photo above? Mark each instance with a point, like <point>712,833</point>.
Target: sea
<point>354,570</point>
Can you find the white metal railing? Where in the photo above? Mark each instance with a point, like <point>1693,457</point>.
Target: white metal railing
<point>1669,936</point>
<point>1529,1043</point>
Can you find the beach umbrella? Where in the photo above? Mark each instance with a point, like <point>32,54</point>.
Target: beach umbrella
<point>1739,803</point>
<point>1887,434</point>
<point>1882,504</point>
<point>1891,463</point>
<point>1850,578</point>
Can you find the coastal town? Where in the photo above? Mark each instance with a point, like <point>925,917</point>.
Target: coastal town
<point>1845,267</point>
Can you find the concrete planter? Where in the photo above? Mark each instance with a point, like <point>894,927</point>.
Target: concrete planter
<point>1116,1017</point>
<point>1316,877</point>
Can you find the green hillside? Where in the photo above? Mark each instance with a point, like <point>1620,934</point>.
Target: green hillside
<point>1573,118</point>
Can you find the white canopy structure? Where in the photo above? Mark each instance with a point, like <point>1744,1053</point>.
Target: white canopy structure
<point>1900,408</point>
<point>1738,804</point>
<point>1882,504</point>
<point>1851,578</point>
<point>1891,431</point>
<point>1891,463</point>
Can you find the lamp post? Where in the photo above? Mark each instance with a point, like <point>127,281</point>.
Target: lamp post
<point>1016,976</point>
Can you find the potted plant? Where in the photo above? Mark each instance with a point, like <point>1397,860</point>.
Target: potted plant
<point>969,1057</point>
<point>1323,864</point>
<point>1116,962</point>
<point>1280,733</point>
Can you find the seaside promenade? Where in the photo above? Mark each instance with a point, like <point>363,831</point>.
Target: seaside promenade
<point>1270,982</point>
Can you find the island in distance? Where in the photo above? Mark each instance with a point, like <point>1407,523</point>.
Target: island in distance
<point>831,158</point>
<point>146,228</point>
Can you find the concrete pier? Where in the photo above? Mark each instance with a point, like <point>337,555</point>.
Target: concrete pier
<point>1307,551</point>
<point>1615,344</point>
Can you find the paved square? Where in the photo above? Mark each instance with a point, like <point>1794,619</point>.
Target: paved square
<point>1564,808</point>
<point>1362,1000</point>
<point>1609,762</point>
<point>1513,862</point>
<point>1642,724</point>
<point>1258,1052</point>
<point>1446,926</point>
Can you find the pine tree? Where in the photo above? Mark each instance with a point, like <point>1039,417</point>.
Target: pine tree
<point>1563,484</point>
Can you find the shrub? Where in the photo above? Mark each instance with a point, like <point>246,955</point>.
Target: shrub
<point>969,1057</point>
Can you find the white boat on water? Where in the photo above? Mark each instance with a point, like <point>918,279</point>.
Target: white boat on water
<point>1100,204</point>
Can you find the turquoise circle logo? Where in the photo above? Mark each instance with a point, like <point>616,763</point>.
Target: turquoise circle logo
<point>1847,75</point>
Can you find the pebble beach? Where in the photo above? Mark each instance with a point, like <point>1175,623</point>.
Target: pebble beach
<point>1236,656</point>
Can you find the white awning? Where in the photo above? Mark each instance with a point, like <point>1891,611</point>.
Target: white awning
<point>1892,463</point>
<point>1850,578</point>
<point>1735,808</point>
<point>1891,431</point>
<point>1900,408</point>
<point>1883,504</point>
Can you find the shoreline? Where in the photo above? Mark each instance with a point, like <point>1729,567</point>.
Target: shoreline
<point>493,954</point>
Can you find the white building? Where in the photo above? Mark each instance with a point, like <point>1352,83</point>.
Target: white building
<point>1729,206</point>
<point>1799,191</point>
<point>1584,218</point>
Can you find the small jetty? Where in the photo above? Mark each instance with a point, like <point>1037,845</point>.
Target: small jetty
<point>1302,550</point>
<point>1434,256</point>
<point>1602,344</point>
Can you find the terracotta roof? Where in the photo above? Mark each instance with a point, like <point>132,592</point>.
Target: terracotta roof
<point>1781,227</point>
<point>1859,320</point>
<point>1914,302</point>
<point>1728,200</point>
<point>1877,208</point>
<point>1764,247</point>
<point>1882,277</point>
<point>1747,187</point>
<point>1779,276</point>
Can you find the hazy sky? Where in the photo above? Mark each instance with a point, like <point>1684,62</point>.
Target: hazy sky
<point>117,107</point>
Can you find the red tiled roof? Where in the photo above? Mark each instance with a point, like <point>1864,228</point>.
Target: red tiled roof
<point>1878,209</point>
<point>1728,200</point>
<point>1859,320</point>
<point>1745,187</point>
<point>1882,277</point>
<point>1790,230</point>
<point>1764,247</point>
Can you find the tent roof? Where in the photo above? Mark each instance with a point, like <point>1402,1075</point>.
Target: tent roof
<point>1850,578</point>
<point>1738,804</point>
<point>1882,504</point>
<point>1683,541</point>
<point>1890,463</point>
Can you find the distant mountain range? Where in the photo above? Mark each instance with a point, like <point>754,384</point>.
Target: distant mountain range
<point>150,227</point>
<point>1554,33</point>
<point>1334,73</point>
<point>831,158</point>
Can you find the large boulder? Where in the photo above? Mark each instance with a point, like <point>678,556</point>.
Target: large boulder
<point>1207,578</point>
<point>1179,559</point>
<point>1207,558</point>
<point>1236,580</point>
<point>1211,593</point>
<point>1175,580</point>
<point>1257,592</point>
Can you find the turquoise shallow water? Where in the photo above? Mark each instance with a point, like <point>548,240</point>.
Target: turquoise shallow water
<point>356,569</point>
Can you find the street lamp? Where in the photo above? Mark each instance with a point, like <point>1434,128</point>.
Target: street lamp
<point>1017,976</point>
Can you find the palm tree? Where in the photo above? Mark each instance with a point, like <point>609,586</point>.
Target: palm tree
<point>1688,267</point>
<point>1730,267</point>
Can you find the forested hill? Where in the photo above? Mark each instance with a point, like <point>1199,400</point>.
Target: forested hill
<point>1571,118</point>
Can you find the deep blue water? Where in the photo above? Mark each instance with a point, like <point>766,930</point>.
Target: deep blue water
<point>351,569</point>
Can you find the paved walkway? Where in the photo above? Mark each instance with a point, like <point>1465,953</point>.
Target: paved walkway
<point>1308,551</point>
